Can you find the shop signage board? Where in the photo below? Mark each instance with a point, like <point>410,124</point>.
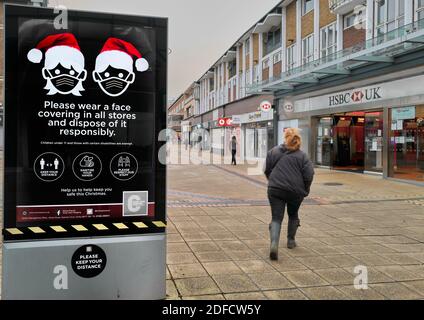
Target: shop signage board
<point>84,106</point>
<point>224,122</point>
<point>403,113</point>
<point>377,93</point>
<point>257,116</point>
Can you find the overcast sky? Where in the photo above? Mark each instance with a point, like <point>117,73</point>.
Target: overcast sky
<point>200,31</point>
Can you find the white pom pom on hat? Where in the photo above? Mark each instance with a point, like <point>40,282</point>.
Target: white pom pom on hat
<point>141,64</point>
<point>35,55</point>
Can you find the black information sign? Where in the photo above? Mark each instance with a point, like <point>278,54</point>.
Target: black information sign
<point>84,106</point>
<point>89,261</point>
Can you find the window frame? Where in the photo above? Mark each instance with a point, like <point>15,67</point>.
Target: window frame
<point>276,57</point>
<point>385,24</point>
<point>334,36</point>
<point>265,63</point>
<point>291,53</point>
<point>304,8</point>
<point>309,41</point>
<point>353,14</point>
<point>275,39</point>
<point>419,10</point>
<point>247,47</point>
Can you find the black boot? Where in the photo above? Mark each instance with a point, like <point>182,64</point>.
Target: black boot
<point>274,233</point>
<point>291,233</point>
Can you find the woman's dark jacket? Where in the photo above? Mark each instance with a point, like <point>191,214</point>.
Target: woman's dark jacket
<point>290,171</point>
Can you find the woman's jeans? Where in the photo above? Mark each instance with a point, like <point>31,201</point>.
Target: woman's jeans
<point>278,199</point>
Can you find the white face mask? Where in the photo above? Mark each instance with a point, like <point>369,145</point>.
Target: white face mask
<point>113,85</point>
<point>64,80</point>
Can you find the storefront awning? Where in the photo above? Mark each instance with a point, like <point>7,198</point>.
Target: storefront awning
<point>380,50</point>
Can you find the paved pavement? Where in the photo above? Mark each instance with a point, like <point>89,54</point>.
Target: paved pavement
<point>218,238</point>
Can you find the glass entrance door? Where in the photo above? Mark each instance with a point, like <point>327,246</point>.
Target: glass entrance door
<point>374,141</point>
<point>324,142</point>
<point>348,134</point>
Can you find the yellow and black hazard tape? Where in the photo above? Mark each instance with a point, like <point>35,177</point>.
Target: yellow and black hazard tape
<point>81,228</point>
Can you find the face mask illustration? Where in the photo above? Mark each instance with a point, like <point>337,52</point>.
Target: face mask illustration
<point>113,81</point>
<point>114,70</point>
<point>63,64</point>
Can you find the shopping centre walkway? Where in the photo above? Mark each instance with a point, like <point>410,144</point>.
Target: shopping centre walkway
<point>218,237</point>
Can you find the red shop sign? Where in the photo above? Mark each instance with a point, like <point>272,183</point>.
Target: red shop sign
<point>224,122</point>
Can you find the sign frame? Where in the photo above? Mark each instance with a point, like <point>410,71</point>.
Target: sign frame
<point>79,228</point>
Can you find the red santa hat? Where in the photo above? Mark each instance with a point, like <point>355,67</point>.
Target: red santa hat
<point>119,54</point>
<point>58,47</point>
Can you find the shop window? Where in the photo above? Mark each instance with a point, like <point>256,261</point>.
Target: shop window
<point>406,151</point>
<point>328,40</point>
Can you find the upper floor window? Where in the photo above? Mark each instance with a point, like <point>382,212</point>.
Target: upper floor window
<point>420,9</point>
<point>290,57</point>
<point>265,64</point>
<point>390,15</point>
<point>353,19</point>
<point>247,47</point>
<point>211,84</point>
<point>308,49</point>
<point>277,57</point>
<point>328,40</point>
<point>232,66</point>
<point>271,41</point>
<point>307,5</point>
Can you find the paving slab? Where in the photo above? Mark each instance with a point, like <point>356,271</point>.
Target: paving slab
<point>197,286</point>
<point>324,293</point>
<point>191,270</point>
<point>305,278</point>
<point>235,283</point>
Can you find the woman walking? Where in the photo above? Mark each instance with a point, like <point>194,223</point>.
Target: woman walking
<point>290,173</point>
<point>233,147</point>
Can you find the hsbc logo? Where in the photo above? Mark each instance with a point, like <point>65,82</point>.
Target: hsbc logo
<point>265,106</point>
<point>356,96</point>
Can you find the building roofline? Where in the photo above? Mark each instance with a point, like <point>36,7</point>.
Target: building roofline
<point>280,4</point>
<point>176,100</point>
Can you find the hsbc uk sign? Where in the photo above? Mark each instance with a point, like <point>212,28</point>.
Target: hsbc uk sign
<point>355,96</point>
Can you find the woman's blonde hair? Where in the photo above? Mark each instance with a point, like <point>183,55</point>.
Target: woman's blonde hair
<point>292,139</point>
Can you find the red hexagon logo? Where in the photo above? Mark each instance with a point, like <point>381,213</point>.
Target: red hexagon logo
<point>357,96</point>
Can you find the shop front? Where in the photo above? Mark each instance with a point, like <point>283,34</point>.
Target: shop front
<point>376,129</point>
<point>257,133</point>
<point>351,141</point>
<point>185,133</point>
<point>406,145</point>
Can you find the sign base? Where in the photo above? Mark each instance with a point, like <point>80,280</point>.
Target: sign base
<point>133,268</point>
